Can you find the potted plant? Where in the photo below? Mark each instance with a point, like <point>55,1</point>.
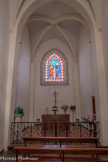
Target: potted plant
<point>19,110</point>
<point>18,114</point>
<point>91,120</point>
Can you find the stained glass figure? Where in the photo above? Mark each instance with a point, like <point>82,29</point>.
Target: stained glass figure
<point>54,69</point>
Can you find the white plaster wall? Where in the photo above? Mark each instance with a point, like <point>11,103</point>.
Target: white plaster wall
<point>43,96</point>
<point>86,71</point>
<point>11,3</point>
<point>105,35</point>
<point>4,43</point>
<point>22,91</point>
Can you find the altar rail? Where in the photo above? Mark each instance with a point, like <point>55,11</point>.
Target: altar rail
<point>53,129</point>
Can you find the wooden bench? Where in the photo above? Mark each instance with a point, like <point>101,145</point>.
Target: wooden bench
<point>61,151</point>
<point>62,139</point>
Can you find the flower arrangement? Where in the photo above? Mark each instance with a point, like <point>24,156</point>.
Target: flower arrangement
<point>19,110</point>
<point>64,107</point>
<point>89,118</point>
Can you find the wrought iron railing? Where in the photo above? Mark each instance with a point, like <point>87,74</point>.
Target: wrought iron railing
<point>53,129</point>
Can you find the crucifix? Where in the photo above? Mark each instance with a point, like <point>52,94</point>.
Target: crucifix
<point>55,108</point>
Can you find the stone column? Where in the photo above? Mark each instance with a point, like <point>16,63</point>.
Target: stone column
<point>100,85</point>
<point>31,105</point>
<point>77,91</point>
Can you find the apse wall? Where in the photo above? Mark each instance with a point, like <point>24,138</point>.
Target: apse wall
<point>105,35</point>
<point>86,71</point>
<point>4,43</point>
<point>43,95</point>
<point>22,90</point>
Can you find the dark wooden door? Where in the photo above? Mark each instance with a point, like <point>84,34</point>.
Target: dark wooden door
<point>93,105</point>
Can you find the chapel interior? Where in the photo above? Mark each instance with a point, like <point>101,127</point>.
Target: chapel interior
<point>54,79</point>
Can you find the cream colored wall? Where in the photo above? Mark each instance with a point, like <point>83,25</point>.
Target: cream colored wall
<point>86,71</point>
<point>104,32</point>
<point>43,94</point>
<point>11,3</point>
<point>22,90</point>
<point>105,35</point>
<point>4,42</point>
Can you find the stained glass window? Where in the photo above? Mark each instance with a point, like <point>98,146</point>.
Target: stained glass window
<point>54,69</point>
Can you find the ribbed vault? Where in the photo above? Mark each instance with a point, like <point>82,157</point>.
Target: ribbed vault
<point>56,13</point>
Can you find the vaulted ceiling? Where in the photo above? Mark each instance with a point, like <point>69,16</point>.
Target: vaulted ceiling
<point>56,19</point>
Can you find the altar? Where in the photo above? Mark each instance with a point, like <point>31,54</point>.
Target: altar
<point>56,118</point>
<point>56,125</point>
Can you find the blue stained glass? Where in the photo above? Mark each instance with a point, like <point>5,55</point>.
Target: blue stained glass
<point>54,69</point>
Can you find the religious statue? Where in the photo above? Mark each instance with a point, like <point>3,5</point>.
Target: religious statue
<point>47,110</point>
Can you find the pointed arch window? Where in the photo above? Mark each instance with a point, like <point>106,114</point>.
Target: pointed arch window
<point>54,69</point>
